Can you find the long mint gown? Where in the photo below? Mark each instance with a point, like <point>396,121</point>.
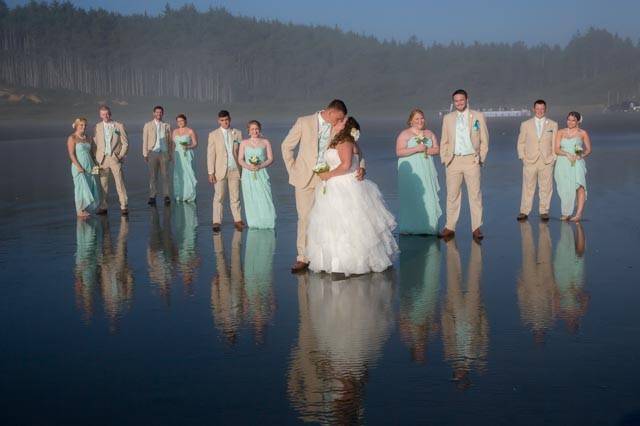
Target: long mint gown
<point>256,193</point>
<point>418,189</point>
<point>184,177</point>
<point>569,177</point>
<point>85,185</point>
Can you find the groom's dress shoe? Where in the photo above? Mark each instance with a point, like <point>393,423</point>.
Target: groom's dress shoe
<point>544,217</point>
<point>101,212</point>
<point>477,235</point>
<point>522,217</point>
<point>299,267</point>
<point>124,212</point>
<point>446,234</point>
<point>152,201</point>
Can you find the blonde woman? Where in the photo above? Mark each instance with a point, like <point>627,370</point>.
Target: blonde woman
<point>85,184</point>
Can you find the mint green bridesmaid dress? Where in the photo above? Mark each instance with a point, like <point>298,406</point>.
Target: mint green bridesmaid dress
<point>418,189</point>
<point>570,177</point>
<point>85,185</point>
<point>256,193</point>
<point>184,177</point>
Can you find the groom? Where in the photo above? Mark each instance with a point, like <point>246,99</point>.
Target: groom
<point>313,133</point>
<point>463,149</point>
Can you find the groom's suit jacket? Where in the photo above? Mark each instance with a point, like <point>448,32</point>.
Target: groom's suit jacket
<point>305,134</point>
<point>119,142</point>
<point>479,136</point>
<point>531,147</point>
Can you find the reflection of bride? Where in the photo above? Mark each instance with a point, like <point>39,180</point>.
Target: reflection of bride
<point>419,286</point>
<point>568,267</point>
<point>343,327</point>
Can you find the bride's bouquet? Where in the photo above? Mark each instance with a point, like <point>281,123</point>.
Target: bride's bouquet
<point>255,160</point>
<point>322,168</point>
<point>95,170</point>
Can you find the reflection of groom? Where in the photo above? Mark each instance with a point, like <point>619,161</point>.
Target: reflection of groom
<point>313,133</point>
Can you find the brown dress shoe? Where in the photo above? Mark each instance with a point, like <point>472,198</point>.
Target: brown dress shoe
<point>124,212</point>
<point>477,235</point>
<point>239,225</point>
<point>544,217</point>
<point>299,266</point>
<point>167,201</point>
<point>522,217</point>
<point>101,212</point>
<point>216,227</point>
<point>446,234</point>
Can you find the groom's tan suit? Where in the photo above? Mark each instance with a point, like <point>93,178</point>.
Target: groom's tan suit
<point>218,160</point>
<point>305,134</point>
<point>111,164</point>
<point>535,149</point>
<point>464,166</point>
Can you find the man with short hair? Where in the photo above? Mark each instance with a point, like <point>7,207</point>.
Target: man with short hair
<point>110,146</point>
<point>312,133</point>
<point>535,149</point>
<point>157,150</point>
<point>224,169</point>
<point>463,150</point>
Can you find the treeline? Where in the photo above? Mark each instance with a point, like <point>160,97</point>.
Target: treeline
<point>215,56</point>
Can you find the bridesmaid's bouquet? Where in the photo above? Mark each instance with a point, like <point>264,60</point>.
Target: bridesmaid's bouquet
<point>255,160</point>
<point>95,170</point>
<point>423,140</point>
<point>578,151</point>
<point>184,143</point>
<point>322,168</point>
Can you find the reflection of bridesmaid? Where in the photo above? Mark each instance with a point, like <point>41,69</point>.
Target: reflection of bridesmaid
<point>418,178</point>
<point>186,223</point>
<point>258,276</point>
<point>536,286</point>
<point>227,289</point>
<point>86,270</point>
<point>116,277</point>
<point>161,252</point>
<point>465,328</point>
<point>419,285</point>
<point>343,327</point>
<point>568,266</point>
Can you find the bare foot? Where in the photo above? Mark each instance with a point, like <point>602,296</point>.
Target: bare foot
<point>83,215</point>
<point>564,217</point>
<point>575,218</point>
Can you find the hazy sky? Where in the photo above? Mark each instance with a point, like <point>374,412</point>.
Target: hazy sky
<point>443,21</point>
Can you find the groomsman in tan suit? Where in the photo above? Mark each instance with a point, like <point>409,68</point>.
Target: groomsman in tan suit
<point>313,133</point>
<point>535,149</point>
<point>157,150</point>
<point>463,150</point>
<point>224,170</point>
<point>110,146</point>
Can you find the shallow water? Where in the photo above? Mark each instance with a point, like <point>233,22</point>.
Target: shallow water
<point>153,320</point>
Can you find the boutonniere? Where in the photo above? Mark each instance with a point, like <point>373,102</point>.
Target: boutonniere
<point>476,125</point>
<point>116,131</point>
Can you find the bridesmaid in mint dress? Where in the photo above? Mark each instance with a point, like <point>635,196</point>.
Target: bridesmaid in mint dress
<point>184,176</point>
<point>572,145</point>
<point>85,183</point>
<point>254,157</point>
<point>418,185</point>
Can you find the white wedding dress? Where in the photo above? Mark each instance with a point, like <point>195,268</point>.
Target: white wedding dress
<point>350,227</point>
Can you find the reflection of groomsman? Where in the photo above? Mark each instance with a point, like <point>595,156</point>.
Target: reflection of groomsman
<point>465,328</point>
<point>535,149</point>
<point>536,284</point>
<point>110,146</point>
<point>157,149</point>
<point>463,149</point>
<point>228,297</point>
<point>224,170</point>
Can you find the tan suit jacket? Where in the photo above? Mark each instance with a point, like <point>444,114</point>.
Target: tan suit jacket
<point>530,147</point>
<point>217,152</point>
<point>479,137</point>
<point>119,142</point>
<point>149,137</point>
<point>304,133</point>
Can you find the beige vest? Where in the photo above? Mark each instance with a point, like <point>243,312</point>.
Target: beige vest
<point>217,153</point>
<point>479,136</point>
<point>149,137</point>
<point>530,147</point>
<point>119,142</point>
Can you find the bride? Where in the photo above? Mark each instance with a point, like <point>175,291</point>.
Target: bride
<point>349,225</point>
